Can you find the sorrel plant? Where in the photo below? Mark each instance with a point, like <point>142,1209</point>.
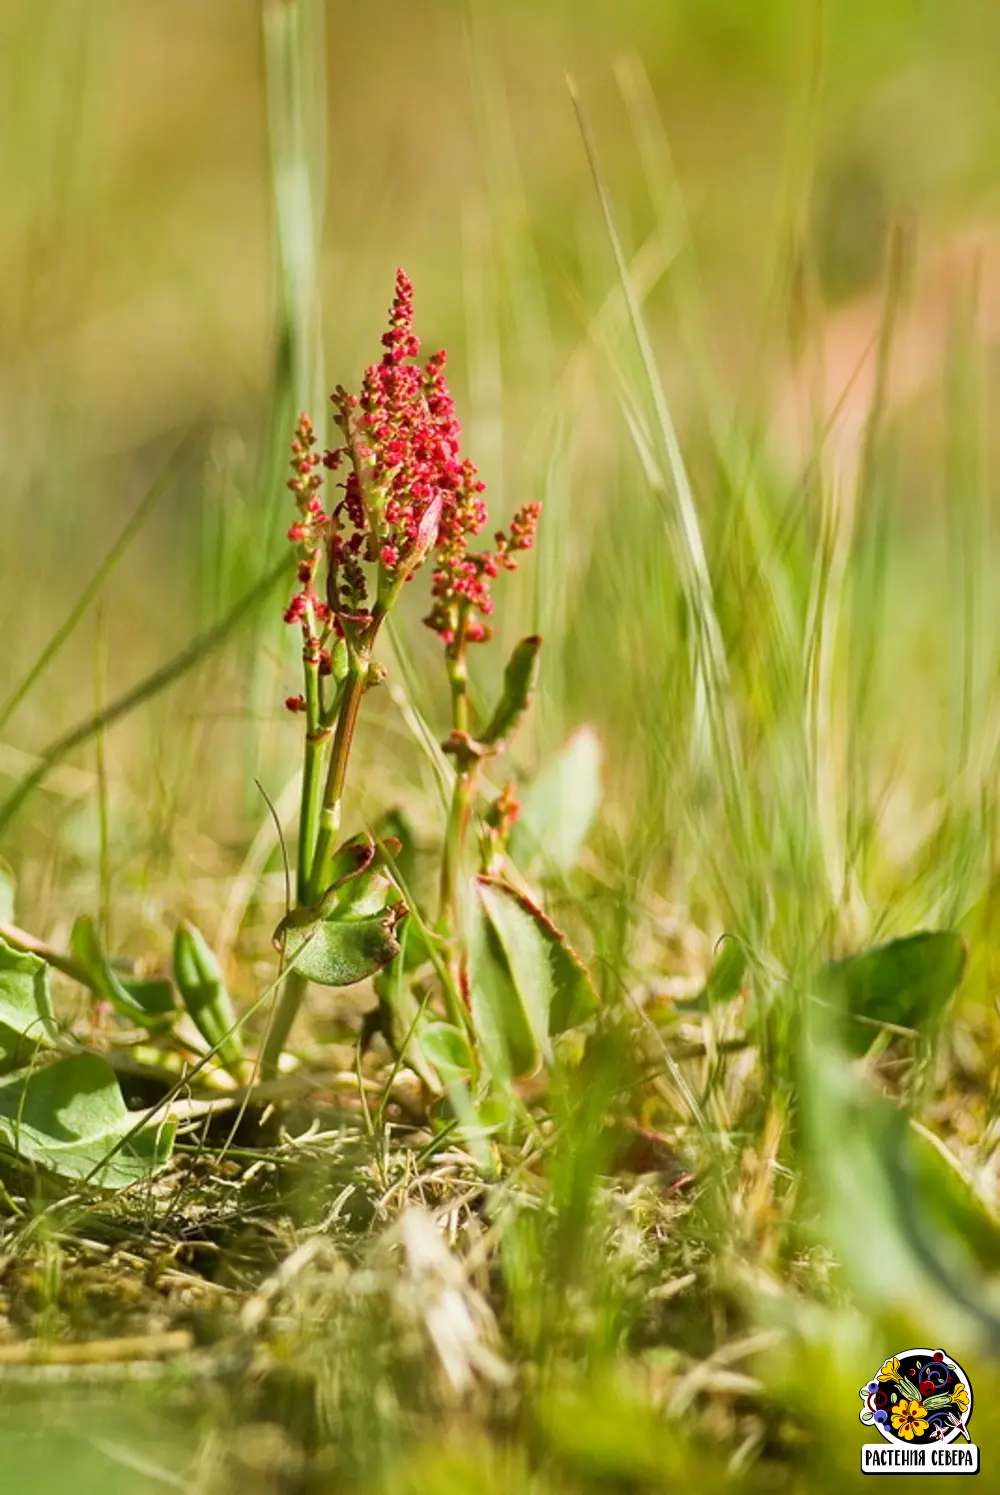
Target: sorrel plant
<point>404,494</point>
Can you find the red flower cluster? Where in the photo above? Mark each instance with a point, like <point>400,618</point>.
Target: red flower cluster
<point>462,578</point>
<point>309,530</point>
<point>407,490</point>
<point>403,444</point>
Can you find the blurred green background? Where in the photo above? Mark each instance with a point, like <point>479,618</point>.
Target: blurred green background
<point>203,205</point>
<point>141,296</point>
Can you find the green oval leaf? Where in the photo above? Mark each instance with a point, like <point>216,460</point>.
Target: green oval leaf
<point>341,952</point>
<point>203,991</point>
<point>25,1003</point>
<point>525,983</point>
<point>511,1042</point>
<point>537,950</point>
<point>361,885</point>
<point>906,982</point>
<point>560,806</point>
<point>70,1116</point>
<point>350,933</point>
<point>953,1206</point>
<point>447,1049</point>
<point>898,1240</point>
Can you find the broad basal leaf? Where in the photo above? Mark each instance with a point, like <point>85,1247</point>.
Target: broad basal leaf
<point>954,1206</point>
<point>560,806</point>
<point>25,1004</point>
<point>203,991</point>
<point>69,1116</point>
<point>906,982</point>
<point>148,1003</point>
<point>525,983</point>
<point>890,1212</point>
<point>538,951</point>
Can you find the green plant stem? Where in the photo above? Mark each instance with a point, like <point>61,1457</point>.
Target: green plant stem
<point>286,1010</point>
<point>454,847</point>
<point>320,815</point>
<point>462,799</point>
<point>333,794</point>
<point>458,679</point>
<point>317,738</point>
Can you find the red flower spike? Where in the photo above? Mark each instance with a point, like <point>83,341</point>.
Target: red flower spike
<point>309,530</point>
<point>461,582</point>
<point>405,491</point>
<point>405,472</point>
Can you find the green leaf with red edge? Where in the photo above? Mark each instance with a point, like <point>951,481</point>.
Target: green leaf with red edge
<point>361,885</point>
<point>525,982</point>
<point>394,830</point>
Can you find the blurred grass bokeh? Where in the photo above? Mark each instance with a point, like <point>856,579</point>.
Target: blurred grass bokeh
<point>204,206</point>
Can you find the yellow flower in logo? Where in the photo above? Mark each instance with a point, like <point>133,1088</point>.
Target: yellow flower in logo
<point>960,1396</point>
<point>890,1369</point>
<point>909,1419</point>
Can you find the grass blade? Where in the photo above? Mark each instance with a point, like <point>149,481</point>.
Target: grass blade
<point>153,684</point>
<point>684,530</point>
<point>93,588</point>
